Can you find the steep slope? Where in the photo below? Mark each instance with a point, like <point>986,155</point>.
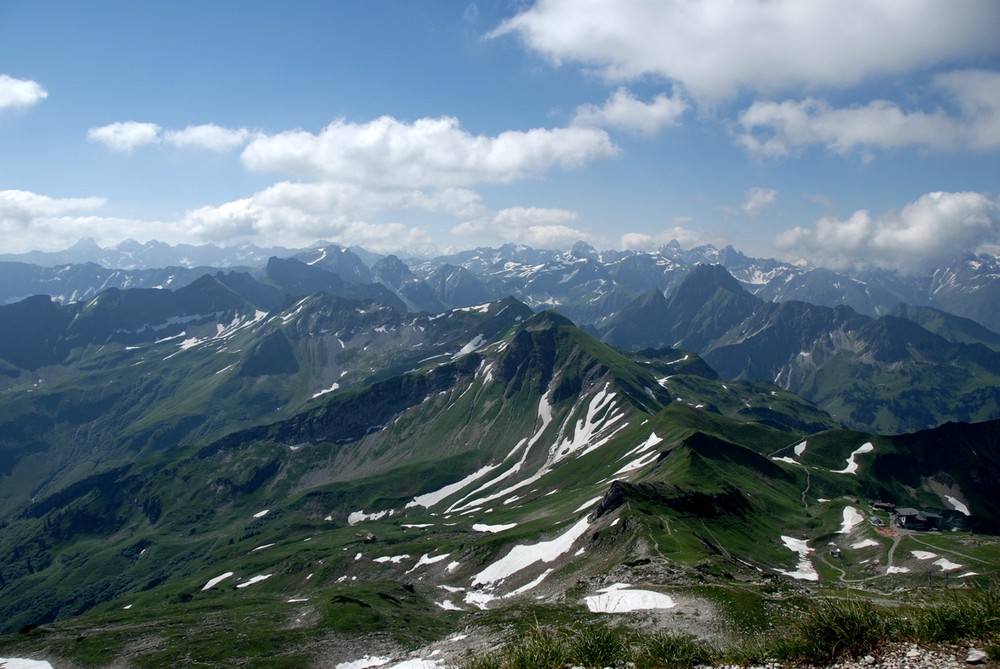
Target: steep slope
<point>546,408</point>
<point>92,385</point>
<point>953,328</point>
<point>887,374</point>
<point>537,470</point>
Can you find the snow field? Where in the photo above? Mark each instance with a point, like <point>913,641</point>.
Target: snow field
<point>852,465</point>
<point>23,663</point>
<point>618,598</point>
<point>523,556</point>
<point>852,518</point>
<point>958,506</point>
<point>804,570</point>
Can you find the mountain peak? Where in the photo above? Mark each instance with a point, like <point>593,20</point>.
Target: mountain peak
<point>583,250</point>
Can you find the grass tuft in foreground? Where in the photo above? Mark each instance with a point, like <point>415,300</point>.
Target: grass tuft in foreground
<point>828,632</point>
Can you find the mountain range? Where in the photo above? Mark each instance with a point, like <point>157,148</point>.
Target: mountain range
<point>321,456</point>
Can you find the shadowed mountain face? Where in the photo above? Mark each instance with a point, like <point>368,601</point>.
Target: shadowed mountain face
<point>887,374</point>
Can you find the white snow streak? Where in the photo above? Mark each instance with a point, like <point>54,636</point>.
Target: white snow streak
<point>427,500</point>
<point>522,557</point>
<point>212,582</point>
<point>335,386</point>
<point>493,529</point>
<point>805,570</point>
<point>852,466</point>
<point>255,579</point>
<point>958,506</point>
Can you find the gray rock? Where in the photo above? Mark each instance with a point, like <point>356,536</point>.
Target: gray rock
<point>976,656</point>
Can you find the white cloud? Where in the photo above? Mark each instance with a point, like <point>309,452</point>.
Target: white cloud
<point>126,135</point>
<point>30,221</point>
<point>268,215</point>
<point>641,241</point>
<point>20,93</point>
<point>715,48</point>
<point>778,128</point>
<point>933,230</point>
<point>624,111</point>
<point>436,152</point>
<point>759,199</point>
<point>208,136</point>
<point>300,213</point>
<point>541,227</point>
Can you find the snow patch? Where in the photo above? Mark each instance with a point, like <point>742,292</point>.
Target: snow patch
<point>335,386</point>
<point>23,663</point>
<point>470,347</point>
<point>255,579</point>
<point>523,556</point>
<point>897,570</point>
<point>364,663</point>
<point>805,570</point>
<point>865,544</point>
<point>923,555</point>
<point>852,466</point>
<point>493,529</point>
<point>394,559</point>
<point>261,514</point>
<point>946,564</point>
<point>618,598</point>
<point>356,517</point>
<point>958,506</point>
<point>800,448</point>
<point>429,499</point>
<point>852,518</point>
<point>426,559</point>
<point>589,503</point>
<point>212,582</point>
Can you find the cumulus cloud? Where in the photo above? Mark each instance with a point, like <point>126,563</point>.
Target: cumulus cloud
<point>715,48</point>
<point>208,136</point>
<point>542,227</point>
<point>778,128</point>
<point>300,213</point>
<point>125,135</point>
<point>30,221</point>
<point>20,93</point>
<point>928,232</point>
<point>641,241</point>
<point>428,152</point>
<point>624,111</point>
<point>279,216</point>
<point>758,199</point>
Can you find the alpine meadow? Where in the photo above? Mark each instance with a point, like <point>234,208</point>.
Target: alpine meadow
<point>534,334</point>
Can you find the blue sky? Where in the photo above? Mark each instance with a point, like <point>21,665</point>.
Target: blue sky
<point>833,133</point>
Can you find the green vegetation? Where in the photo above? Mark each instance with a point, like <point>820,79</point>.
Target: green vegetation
<point>826,632</point>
